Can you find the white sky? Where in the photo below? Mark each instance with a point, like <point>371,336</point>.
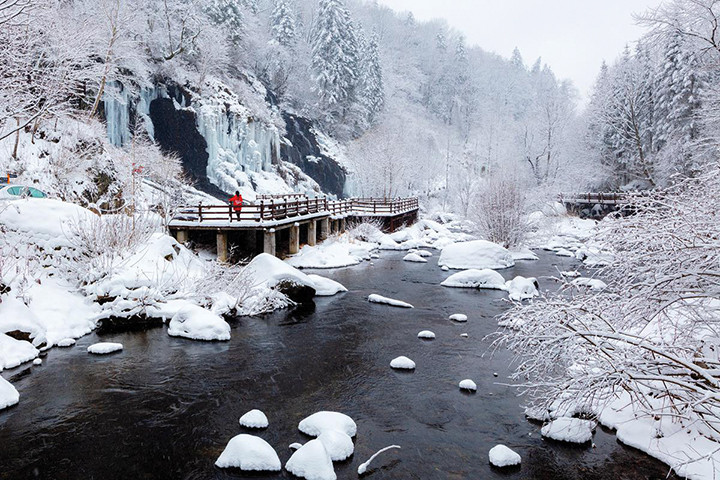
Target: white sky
<point>572,36</point>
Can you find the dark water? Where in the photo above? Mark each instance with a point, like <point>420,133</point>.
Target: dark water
<point>164,408</point>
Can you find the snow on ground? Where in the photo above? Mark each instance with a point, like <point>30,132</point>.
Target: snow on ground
<point>591,283</point>
<point>478,254</point>
<point>338,444</point>
<point>522,253</point>
<point>249,453</point>
<point>573,430</point>
<point>402,363</point>
<point>312,462</point>
<point>474,278</point>
<point>521,288</point>
<point>468,384</point>
<point>268,270</point>
<point>9,396</point>
<point>414,257</point>
<point>458,317</point>
<point>254,419</point>
<point>502,456</point>
<point>426,335</point>
<point>375,298</point>
<point>198,323</point>
<point>325,287</point>
<point>335,252</point>
<point>318,422</point>
<point>14,352</point>
<point>16,316</point>
<point>103,348</point>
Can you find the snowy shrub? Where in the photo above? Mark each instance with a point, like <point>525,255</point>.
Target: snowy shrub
<point>366,231</point>
<point>499,210</point>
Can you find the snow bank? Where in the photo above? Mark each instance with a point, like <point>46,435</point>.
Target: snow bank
<point>502,456</point>
<point>9,396</point>
<point>312,462</point>
<point>15,352</point>
<point>16,316</point>
<point>468,384</point>
<point>198,323</point>
<point>338,444</point>
<point>591,283</point>
<point>414,257</point>
<point>474,278</point>
<point>402,363</point>
<point>254,419</point>
<point>478,254</point>
<point>458,317</point>
<point>325,287</point>
<point>374,298</point>
<point>103,348</point>
<point>564,429</point>
<point>427,335</point>
<point>318,422</point>
<point>521,288</point>
<point>249,453</point>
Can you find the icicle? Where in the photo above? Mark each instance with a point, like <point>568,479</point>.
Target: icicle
<point>117,113</point>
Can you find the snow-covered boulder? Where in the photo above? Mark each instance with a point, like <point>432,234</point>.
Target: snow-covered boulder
<point>477,254</point>
<point>422,253</point>
<point>414,257</point>
<point>591,283</point>
<point>468,384</point>
<point>9,396</point>
<point>318,422</point>
<point>249,453</point>
<point>268,270</point>
<point>66,342</point>
<point>426,335</point>
<point>16,316</point>
<point>333,253</point>
<point>14,352</point>
<point>254,419</point>
<point>521,288</point>
<point>523,254</point>
<point>198,323</point>
<point>402,363</point>
<point>570,273</point>
<point>444,268</point>
<point>564,429</point>
<point>375,298</point>
<point>474,278</point>
<point>338,444</point>
<point>312,462</point>
<point>502,456</point>
<point>458,317</point>
<point>563,252</point>
<point>294,446</point>
<point>103,348</point>
<point>325,287</point>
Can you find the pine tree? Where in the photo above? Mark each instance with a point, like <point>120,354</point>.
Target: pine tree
<point>229,15</point>
<point>282,24</point>
<point>516,59</point>
<point>441,42</point>
<point>373,90</point>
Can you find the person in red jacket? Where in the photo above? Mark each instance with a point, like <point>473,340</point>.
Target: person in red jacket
<point>236,203</point>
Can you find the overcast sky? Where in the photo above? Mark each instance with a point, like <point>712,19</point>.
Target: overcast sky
<point>572,36</point>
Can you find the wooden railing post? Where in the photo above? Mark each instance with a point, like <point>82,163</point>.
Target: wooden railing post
<point>200,212</point>
<point>262,210</point>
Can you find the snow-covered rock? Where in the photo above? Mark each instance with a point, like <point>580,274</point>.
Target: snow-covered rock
<point>16,316</point>
<point>375,298</point>
<point>66,342</point>
<point>422,253</point>
<point>477,254</point>
<point>402,363</point>
<point>325,287</point>
<point>570,273</point>
<point>444,268</point>
<point>249,453</point>
<point>312,462</point>
<point>523,254</point>
<point>37,361</point>
<point>564,429</point>
<point>591,283</point>
<point>9,396</point>
<point>198,323</point>
<point>269,270</point>
<point>502,456</point>
<point>563,252</point>
<point>337,444</point>
<point>458,317</point>
<point>318,422</point>
<point>254,419</point>
<point>474,278</point>
<point>335,252</point>
<point>414,257</point>
<point>427,335</point>
<point>294,446</point>
<point>468,384</point>
<point>521,288</point>
<point>14,352</point>
<point>103,348</point>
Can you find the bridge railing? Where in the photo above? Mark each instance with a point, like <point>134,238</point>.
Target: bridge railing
<point>601,198</point>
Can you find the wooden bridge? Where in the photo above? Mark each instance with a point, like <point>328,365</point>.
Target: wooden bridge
<point>274,222</point>
<point>596,204</point>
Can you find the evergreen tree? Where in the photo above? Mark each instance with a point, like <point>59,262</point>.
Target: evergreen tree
<point>229,15</point>
<point>441,42</point>
<point>373,90</point>
<point>516,59</point>
<point>282,24</point>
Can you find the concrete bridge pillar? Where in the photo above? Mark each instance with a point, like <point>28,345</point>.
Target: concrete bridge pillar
<point>222,247</point>
<point>343,224</point>
<point>269,243</point>
<point>312,232</point>
<point>182,236</point>
<point>324,228</point>
<point>294,239</point>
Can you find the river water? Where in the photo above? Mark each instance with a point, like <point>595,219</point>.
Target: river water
<point>164,408</point>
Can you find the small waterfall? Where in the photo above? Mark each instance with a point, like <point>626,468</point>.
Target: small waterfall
<point>117,113</point>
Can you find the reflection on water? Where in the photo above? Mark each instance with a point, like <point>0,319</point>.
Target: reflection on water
<point>165,407</point>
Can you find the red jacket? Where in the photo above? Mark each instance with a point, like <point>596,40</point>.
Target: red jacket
<point>236,202</point>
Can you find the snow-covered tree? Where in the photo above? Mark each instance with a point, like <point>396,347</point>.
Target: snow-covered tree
<point>372,91</point>
<point>282,23</point>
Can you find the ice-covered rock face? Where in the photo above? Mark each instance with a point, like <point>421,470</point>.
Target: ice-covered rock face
<point>116,101</point>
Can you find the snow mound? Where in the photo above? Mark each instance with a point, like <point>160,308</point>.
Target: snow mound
<point>523,254</point>
<point>375,298</point>
<point>254,419</point>
<point>464,335</point>
<point>337,444</point>
<point>564,429</point>
<point>502,456</point>
<point>325,287</point>
<point>591,283</point>
<point>468,384</point>
<point>427,335</point>
<point>16,316</point>
<point>318,422</point>
<point>66,342</point>
<point>563,252</point>
<point>458,317</point>
<point>422,253</point>
<point>37,361</point>
<point>402,363</point>
<point>250,453</point>
<point>14,352</point>
<point>198,323</point>
<point>269,270</point>
<point>474,278</point>
<point>570,273</point>
<point>477,254</point>
<point>521,288</point>
<point>9,396</point>
<point>312,462</point>
<point>444,268</point>
<point>414,257</point>
<point>103,348</point>
<point>294,446</point>
<point>332,253</point>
